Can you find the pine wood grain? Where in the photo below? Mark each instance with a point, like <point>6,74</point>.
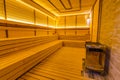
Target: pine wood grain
<point>65,64</point>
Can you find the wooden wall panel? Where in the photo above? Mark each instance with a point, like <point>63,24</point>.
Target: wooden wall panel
<point>51,32</point>
<point>110,36</point>
<point>19,12</point>
<point>91,25</point>
<point>82,32</point>
<point>41,32</point>
<point>16,33</point>
<point>51,22</point>
<point>76,21</point>
<point>74,37</point>
<point>2,14</point>
<point>40,19</point>
<point>60,32</point>
<point>2,33</point>
<point>70,22</point>
<point>95,21</point>
<point>60,22</point>
<point>70,32</point>
<point>81,22</point>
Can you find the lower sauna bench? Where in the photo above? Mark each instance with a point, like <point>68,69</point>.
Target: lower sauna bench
<point>64,64</point>
<point>14,64</point>
<point>56,60</point>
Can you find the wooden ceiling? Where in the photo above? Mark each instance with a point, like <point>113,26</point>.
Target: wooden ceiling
<point>65,7</point>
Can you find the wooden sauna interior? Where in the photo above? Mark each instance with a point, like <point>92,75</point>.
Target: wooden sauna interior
<point>45,39</point>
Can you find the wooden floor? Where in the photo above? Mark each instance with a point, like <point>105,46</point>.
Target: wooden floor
<point>65,64</point>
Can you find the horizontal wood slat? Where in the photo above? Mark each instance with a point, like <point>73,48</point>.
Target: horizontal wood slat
<point>74,43</point>
<point>51,22</point>
<point>64,64</point>
<point>10,45</point>
<point>25,59</point>
<point>40,19</point>
<point>19,12</point>
<point>7,23</point>
<point>73,37</point>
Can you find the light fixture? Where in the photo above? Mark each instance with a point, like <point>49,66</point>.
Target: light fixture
<point>88,21</point>
<point>87,18</point>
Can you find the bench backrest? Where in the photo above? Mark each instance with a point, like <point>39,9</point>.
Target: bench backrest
<point>10,45</point>
<point>75,37</point>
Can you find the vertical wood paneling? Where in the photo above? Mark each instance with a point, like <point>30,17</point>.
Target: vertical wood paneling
<point>60,32</point>
<point>70,21</point>
<point>76,21</point>
<point>107,26</point>
<point>51,22</point>
<point>82,32</point>
<point>110,35</point>
<point>51,32</point>
<point>81,22</point>
<point>41,32</point>
<point>91,25</point>
<point>2,14</point>
<point>114,15</point>
<point>17,33</point>
<point>95,21</point>
<point>41,19</point>
<point>19,12</point>
<point>60,23</point>
<point>70,32</point>
<point>34,17</point>
<point>2,33</point>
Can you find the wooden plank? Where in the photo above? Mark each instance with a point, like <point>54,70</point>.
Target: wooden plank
<point>35,76</point>
<point>60,73</point>
<point>11,45</point>
<point>2,34</point>
<point>27,77</point>
<point>74,43</point>
<point>52,76</point>
<point>20,79</point>
<point>4,58</point>
<point>65,69</point>
<point>66,63</point>
<point>9,61</point>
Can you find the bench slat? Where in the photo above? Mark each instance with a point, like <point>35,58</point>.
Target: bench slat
<point>10,62</point>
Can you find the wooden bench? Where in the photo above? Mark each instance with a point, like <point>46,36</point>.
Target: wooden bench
<point>19,55</point>
<point>73,43</point>
<point>84,37</point>
<point>11,45</point>
<point>17,61</point>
